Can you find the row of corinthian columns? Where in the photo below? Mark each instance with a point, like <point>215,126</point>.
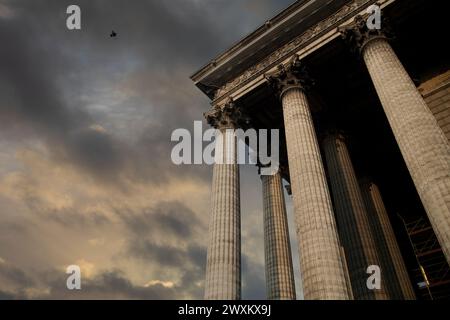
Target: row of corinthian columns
<point>360,215</point>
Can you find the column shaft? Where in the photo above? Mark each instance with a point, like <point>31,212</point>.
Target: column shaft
<point>223,270</point>
<point>386,241</point>
<point>279,273</point>
<point>320,259</point>
<point>352,219</point>
<point>424,146</point>
<point>347,275</point>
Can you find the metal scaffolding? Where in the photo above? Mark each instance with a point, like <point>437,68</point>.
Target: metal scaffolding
<point>432,276</point>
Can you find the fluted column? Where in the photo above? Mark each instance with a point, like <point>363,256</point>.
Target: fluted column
<point>423,145</point>
<point>223,269</point>
<point>386,241</point>
<point>347,275</point>
<point>352,219</point>
<point>320,259</point>
<point>279,272</point>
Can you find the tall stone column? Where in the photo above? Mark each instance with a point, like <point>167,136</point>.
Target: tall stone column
<point>320,259</point>
<point>386,241</point>
<point>279,272</point>
<point>423,145</point>
<point>223,269</point>
<point>347,275</point>
<point>352,219</point>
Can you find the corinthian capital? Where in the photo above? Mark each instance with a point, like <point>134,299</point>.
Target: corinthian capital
<point>228,116</point>
<point>292,75</point>
<point>358,34</point>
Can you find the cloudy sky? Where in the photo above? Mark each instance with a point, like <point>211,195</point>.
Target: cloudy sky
<point>85,170</point>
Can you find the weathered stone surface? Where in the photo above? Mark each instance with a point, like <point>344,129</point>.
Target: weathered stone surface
<point>423,144</point>
<point>352,219</point>
<point>223,269</point>
<point>279,273</point>
<point>320,258</point>
<point>388,249</point>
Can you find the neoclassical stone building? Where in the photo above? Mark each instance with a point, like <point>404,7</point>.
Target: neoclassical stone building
<point>365,121</point>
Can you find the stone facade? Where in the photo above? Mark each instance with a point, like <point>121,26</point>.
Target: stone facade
<point>436,93</point>
<point>340,236</point>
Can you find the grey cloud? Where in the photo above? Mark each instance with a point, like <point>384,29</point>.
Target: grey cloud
<point>97,150</point>
<point>66,217</point>
<point>111,284</point>
<point>73,219</point>
<point>30,72</point>
<point>168,40</point>
<point>191,259</point>
<point>172,218</point>
<point>49,75</point>
<point>108,285</point>
<point>14,275</point>
<point>164,236</point>
<point>166,255</point>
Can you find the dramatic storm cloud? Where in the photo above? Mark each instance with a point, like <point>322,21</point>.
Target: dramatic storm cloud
<point>85,125</point>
